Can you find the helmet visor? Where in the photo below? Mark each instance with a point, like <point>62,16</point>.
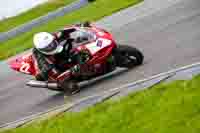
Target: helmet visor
<point>51,47</point>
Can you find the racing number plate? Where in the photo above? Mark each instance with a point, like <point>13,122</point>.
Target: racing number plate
<point>98,45</point>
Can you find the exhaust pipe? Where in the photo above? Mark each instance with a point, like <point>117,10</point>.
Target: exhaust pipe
<point>42,84</point>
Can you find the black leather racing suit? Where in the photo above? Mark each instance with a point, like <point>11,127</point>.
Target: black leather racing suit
<point>53,65</point>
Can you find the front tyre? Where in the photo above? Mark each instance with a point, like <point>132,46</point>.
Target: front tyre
<point>127,56</point>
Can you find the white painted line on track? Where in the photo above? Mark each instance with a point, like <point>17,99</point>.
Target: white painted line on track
<point>159,75</point>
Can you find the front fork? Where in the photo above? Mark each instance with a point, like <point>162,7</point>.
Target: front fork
<point>111,64</point>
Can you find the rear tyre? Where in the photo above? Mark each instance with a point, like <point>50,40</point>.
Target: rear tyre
<point>127,56</point>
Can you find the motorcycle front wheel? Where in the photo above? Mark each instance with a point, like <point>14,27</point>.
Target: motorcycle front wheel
<point>127,56</point>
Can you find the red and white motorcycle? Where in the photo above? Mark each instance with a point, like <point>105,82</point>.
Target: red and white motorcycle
<point>105,54</point>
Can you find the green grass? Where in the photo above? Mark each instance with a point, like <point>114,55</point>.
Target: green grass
<point>92,12</point>
<point>38,11</point>
<point>165,108</point>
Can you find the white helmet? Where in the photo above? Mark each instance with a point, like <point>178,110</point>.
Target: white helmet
<point>46,43</point>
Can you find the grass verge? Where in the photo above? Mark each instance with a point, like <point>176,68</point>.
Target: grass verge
<point>92,12</point>
<point>31,14</point>
<point>165,108</point>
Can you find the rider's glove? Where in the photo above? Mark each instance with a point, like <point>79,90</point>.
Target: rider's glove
<point>83,57</point>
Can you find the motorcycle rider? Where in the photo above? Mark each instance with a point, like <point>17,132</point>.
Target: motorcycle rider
<point>53,51</point>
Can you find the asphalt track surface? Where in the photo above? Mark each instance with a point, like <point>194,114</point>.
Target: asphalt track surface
<point>168,37</point>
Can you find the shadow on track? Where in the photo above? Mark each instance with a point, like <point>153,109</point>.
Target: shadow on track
<point>57,99</point>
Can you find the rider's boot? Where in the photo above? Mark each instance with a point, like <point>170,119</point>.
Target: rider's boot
<point>69,87</point>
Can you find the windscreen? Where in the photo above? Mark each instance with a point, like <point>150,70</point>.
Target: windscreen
<point>81,36</point>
